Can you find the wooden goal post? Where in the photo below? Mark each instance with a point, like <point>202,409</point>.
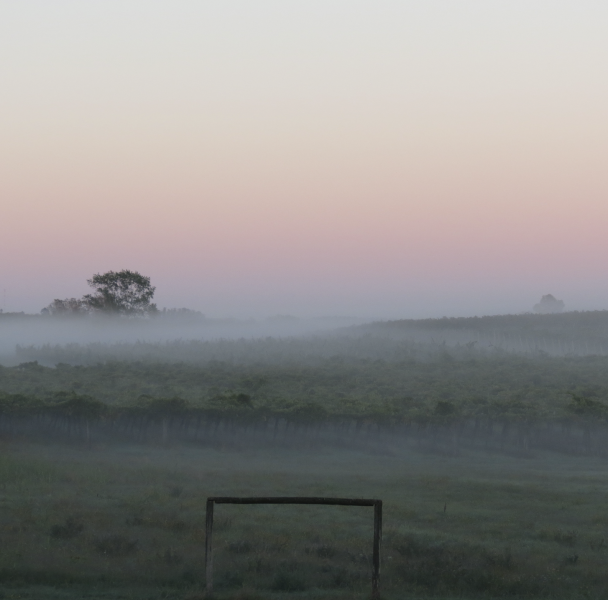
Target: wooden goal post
<point>377,504</point>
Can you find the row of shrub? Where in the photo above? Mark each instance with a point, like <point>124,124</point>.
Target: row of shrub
<point>241,406</point>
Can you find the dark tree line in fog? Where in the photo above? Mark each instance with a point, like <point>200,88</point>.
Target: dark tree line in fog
<point>437,380</point>
<point>123,292</point>
<point>234,420</point>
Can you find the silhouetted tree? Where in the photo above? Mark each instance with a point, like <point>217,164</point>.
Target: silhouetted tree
<point>66,307</point>
<point>549,304</point>
<point>121,292</point>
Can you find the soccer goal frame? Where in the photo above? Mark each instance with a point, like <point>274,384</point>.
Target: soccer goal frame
<point>377,505</point>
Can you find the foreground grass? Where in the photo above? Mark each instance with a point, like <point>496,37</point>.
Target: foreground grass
<point>127,521</point>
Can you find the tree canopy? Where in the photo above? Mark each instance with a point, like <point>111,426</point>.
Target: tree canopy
<point>115,292</point>
<point>549,304</point>
<point>67,307</point>
<point>122,292</point>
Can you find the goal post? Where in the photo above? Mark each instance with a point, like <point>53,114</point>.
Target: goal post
<point>376,504</point>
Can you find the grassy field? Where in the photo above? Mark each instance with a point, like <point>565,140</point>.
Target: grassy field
<point>485,438</point>
<point>127,521</point>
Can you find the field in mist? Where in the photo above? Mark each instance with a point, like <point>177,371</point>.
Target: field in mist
<point>487,440</point>
<point>18,329</point>
<point>127,521</point>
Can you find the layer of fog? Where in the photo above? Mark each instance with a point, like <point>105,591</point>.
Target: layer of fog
<point>288,340</point>
<point>17,330</point>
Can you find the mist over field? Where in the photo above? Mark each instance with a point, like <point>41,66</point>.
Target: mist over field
<point>386,221</point>
<point>485,438</point>
<point>107,337</point>
<point>34,330</point>
<point>118,420</point>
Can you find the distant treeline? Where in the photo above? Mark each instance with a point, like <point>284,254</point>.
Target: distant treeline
<point>181,313</point>
<point>232,420</point>
<point>564,334</point>
<point>583,321</point>
<point>342,374</point>
<point>497,400</point>
<point>376,381</point>
<point>569,333</point>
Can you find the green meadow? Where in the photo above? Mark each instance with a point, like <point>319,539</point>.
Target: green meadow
<point>491,464</point>
<point>128,521</point>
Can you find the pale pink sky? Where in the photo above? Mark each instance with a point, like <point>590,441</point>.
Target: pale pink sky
<point>383,159</point>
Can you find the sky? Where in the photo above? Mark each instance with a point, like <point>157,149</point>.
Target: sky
<point>382,159</point>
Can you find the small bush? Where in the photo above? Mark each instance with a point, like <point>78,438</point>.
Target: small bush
<point>566,538</point>
<point>70,529</point>
<point>441,565</point>
<point>288,582</point>
<point>178,526</point>
<point>240,547</point>
<point>325,551</point>
<point>502,560</point>
<point>115,545</point>
<point>246,594</point>
<point>222,524</point>
<point>343,578</point>
<point>170,557</point>
<point>176,491</point>
<point>231,579</point>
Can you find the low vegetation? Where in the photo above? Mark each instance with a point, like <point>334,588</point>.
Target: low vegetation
<point>491,465</point>
<point>128,520</point>
<point>276,391</point>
